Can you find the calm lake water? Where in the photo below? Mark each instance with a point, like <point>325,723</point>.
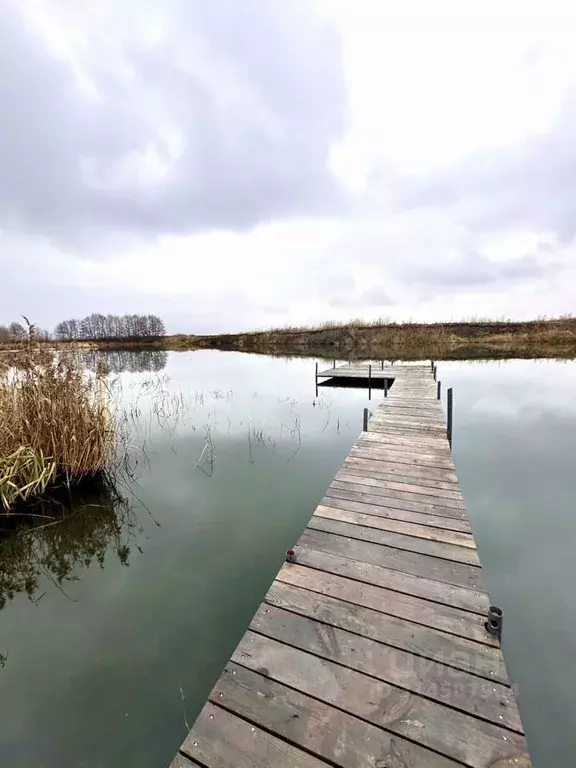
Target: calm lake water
<point>104,670</point>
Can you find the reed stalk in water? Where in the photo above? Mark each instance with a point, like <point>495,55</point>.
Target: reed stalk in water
<point>55,424</point>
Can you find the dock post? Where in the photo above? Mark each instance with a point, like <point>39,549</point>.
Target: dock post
<point>316,378</point>
<point>439,390</point>
<point>450,407</point>
<point>370,381</point>
<point>431,365</point>
<point>382,362</point>
<point>385,387</point>
<point>435,371</point>
<point>333,363</point>
<point>365,420</point>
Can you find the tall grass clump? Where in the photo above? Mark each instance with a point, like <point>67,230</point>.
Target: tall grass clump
<point>55,424</point>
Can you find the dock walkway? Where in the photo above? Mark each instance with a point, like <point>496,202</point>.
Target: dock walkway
<point>370,651</point>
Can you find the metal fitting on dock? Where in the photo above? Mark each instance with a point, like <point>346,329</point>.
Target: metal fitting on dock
<point>290,556</point>
<point>494,624</point>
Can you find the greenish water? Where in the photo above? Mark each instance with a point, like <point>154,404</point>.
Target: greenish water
<point>105,670</point>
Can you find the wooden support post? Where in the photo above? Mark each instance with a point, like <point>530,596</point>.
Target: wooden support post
<point>385,387</point>
<point>316,379</point>
<point>333,363</point>
<point>450,408</point>
<point>382,361</point>
<point>365,420</point>
<point>439,390</point>
<point>370,382</point>
<point>431,365</point>
<point>435,370</point>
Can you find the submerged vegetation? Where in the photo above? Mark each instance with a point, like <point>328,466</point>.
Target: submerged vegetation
<point>56,426</point>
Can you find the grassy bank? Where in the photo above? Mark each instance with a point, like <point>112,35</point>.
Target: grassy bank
<point>55,425</point>
<point>410,341</point>
<point>485,339</point>
<point>554,338</point>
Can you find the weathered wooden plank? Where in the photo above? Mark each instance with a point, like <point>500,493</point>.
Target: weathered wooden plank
<point>331,557</point>
<point>391,371</point>
<point>388,442</point>
<point>351,492</point>
<point>427,426</point>
<point>423,494</point>
<point>181,761</point>
<point>396,526</point>
<point>411,485</point>
<point>399,457</point>
<point>435,444</point>
<point>427,449</point>
<point>302,720</point>
<point>429,643</point>
<point>410,407</point>
<point>404,431</point>
<point>375,479</point>
<point>414,486</point>
<point>404,412</point>
<point>415,451</point>
<point>380,465</point>
<point>393,602</point>
<point>436,549</point>
<point>445,730</point>
<point>406,443</point>
<point>459,574</point>
<point>487,699</point>
<point>377,375</point>
<point>220,739</point>
<point>391,513</point>
<point>417,498</point>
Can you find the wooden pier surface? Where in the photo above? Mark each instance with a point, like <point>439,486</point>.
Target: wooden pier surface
<point>370,651</point>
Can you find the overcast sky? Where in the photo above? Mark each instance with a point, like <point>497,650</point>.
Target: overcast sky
<point>239,164</point>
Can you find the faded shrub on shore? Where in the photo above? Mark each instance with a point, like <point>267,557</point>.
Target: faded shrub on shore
<point>55,424</point>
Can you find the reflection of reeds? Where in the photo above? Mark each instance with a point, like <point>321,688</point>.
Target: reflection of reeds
<point>295,434</point>
<point>54,423</point>
<point>71,531</point>
<point>208,454</point>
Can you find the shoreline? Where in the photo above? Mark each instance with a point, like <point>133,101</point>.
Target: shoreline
<point>554,338</point>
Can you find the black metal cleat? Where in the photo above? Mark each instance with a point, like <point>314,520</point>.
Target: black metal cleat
<point>494,624</point>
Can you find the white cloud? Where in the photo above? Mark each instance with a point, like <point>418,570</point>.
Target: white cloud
<point>246,164</point>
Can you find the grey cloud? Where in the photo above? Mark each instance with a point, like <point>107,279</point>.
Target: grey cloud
<point>472,270</point>
<point>527,187</point>
<point>252,91</point>
<point>374,296</point>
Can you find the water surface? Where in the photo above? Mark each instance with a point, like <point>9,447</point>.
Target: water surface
<point>107,668</point>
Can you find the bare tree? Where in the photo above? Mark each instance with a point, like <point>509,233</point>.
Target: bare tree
<point>97,326</point>
<point>17,331</point>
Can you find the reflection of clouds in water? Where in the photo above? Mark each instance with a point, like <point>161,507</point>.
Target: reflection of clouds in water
<point>127,360</point>
<point>508,390</point>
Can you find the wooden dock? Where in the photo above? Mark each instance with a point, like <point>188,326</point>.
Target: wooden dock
<point>371,651</point>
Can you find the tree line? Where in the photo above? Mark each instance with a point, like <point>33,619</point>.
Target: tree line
<point>96,326</point>
<point>17,332</point>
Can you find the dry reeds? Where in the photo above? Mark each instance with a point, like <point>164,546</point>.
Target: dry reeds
<point>382,339</point>
<point>55,424</point>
